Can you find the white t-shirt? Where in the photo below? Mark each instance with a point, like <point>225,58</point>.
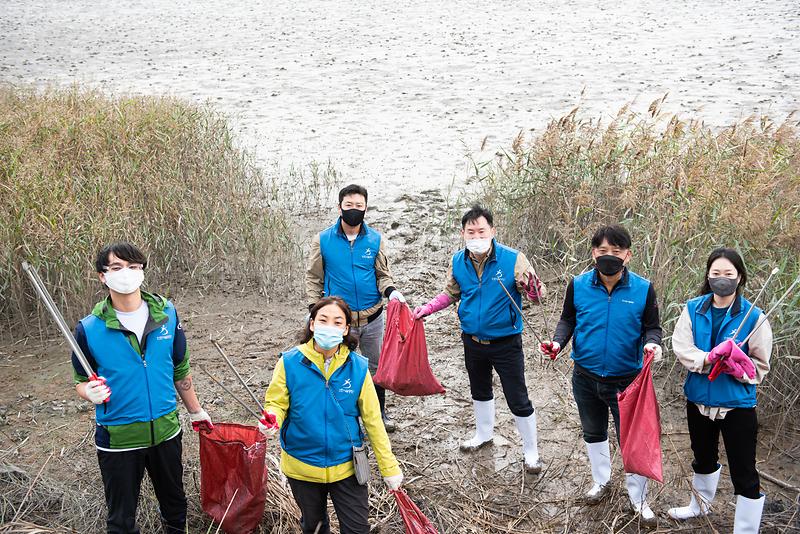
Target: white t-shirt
<point>134,321</point>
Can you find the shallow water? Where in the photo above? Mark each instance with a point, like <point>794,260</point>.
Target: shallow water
<point>398,92</point>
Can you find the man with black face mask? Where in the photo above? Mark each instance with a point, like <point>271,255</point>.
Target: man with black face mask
<point>611,314</point>
<point>348,260</point>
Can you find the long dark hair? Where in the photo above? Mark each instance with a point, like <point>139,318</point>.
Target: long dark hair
<point>732,256</point>
<point>350,339</point>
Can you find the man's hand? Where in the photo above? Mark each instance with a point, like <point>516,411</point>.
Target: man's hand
<point>201,421</point>
<point>550,349</point>
<point>439,302</point>
<point>268,424</point>
<point>396,295</point>
<point>97,391</point>
<point>393,482</point>
<point>656,350</point>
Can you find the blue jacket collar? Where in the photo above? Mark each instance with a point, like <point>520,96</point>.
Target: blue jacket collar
<point>736,306</point>
<point>623,282</point>
<point>340,231</point>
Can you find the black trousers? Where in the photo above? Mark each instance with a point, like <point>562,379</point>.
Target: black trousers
<point>739,430</point>
<point>350,500</point>
<point>594,400</point>
<point>505,357</point>
<point>122,479</point>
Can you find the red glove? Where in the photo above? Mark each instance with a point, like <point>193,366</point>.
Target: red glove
<point>533,287</point>
<point>721,351</point>
<point>550,349</point>
<point>268,424</point>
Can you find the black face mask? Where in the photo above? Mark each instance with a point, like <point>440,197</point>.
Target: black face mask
<point>723,287</point>
<point>609,265</point>
<point>353,217</point>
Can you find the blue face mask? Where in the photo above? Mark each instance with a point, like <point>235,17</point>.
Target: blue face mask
<point>328,337</point>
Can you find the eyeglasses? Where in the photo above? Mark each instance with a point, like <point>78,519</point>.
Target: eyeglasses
<point>117,267</point>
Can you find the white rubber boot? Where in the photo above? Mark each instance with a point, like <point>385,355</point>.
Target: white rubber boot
<point>637,492</point>
<point>704,488</point>
<point>484,426</point>
<point>530,447</point>
<point>747,519</point>
<point>600,460</point>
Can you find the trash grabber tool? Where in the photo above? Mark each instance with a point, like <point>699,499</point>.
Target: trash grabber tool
<point>241,380</point>
<point>519,310</point>
<point>231,393</point>
<point>775,307</point>
<point>48,302</point>
<point>753,304</point>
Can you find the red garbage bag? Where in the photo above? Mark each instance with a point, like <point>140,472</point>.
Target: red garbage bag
<point>233,460</point>
<point>640,426</point>
<point>403,366</point>
<point>414,520</point>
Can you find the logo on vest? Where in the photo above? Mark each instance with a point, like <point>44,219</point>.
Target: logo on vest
<point>163,333</point>
<point>367,254</point>
<point>498,275</point>
<point>628,301</point>
<point>346,387</point>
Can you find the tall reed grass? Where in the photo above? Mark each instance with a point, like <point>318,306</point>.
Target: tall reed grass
<point>681,188</point>
<point>79,169</point>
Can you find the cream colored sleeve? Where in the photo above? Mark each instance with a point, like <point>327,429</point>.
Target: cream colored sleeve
<point>370,411</point>
<point>315,273</point>
<point>452,288</point>
<point>523,270</point>
<point>683,345</point>
<point>759,348</point>
<point>382,272</point>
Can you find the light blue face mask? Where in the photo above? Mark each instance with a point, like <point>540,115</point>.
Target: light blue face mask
<point>328,337</point>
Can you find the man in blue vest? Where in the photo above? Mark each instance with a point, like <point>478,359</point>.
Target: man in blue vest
<point>348,260</point>
<point>611,314</point>
<point>134,342</point>
<point>486,276</point>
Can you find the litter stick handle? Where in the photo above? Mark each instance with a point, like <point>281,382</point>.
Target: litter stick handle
<point>47,300</point>
<point>231,393</point>
<point>241,380</point>
<point>519,310</point>
<point>753,304</point>
<point>766,315</point>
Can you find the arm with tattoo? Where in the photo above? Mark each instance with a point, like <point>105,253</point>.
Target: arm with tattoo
<point>185,389</point>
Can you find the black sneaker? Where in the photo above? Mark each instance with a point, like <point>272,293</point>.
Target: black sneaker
<point>388,423</point>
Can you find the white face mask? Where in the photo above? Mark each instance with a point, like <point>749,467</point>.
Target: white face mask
<point>479,246</point>
<point>124,281</point>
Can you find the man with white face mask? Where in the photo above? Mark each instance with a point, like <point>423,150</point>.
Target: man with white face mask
<point>135,343</point>
<point>482,276</point>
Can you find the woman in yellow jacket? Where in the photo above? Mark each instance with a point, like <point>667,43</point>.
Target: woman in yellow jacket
<point>319,389</point>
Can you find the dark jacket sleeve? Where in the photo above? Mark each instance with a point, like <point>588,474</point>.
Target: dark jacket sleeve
<point>566,324</point>
<point>180,352</point>
<point>78,374</point>
<point>651,326</point>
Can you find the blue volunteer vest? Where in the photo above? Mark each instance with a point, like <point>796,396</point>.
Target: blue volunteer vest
<point>350,269</point>
<point>142,388</point>
<point>317,430</point>
<point>725,391</point>
<point>485,310</point>
<point>608,339</point>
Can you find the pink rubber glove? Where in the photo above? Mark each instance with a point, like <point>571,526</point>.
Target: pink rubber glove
<point>550,349</point>
<point>533,287</point>
<point>721,351</point>
<point>739,364</point>
<point>439,302</point>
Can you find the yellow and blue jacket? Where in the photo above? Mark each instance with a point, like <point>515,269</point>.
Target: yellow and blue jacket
<point>317,410</point>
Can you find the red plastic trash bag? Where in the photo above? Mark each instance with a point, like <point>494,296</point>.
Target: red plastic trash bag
<point>414,520</point>
<point>403,366</point>
<point>233,460</point>
<point>640,426</point>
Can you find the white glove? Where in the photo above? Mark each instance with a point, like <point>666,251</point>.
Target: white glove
<point>396,295</point>
<point>658,353</point>
<point>201,421</point>
<point>97,391</point>
<point>551,349</point>
<point>268,424</point>
<point>393,482</point>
